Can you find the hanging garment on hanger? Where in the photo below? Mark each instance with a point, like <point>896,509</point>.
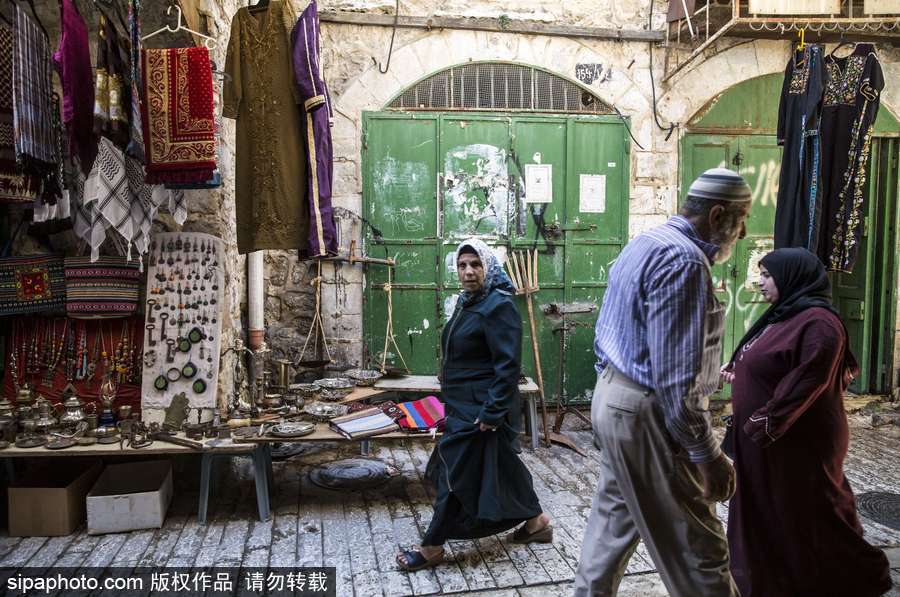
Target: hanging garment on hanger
<point>32,91</point>
<point>798,206</point>
<point>15,187</point>
<point>270,181</point>
<point>850,105</point>
<point>73,63</point>
<point>317,132</point>
<point>179,129</point>
<point>136,145</point>
<point>112,94</point>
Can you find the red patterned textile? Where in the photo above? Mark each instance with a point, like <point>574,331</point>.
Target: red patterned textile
<point>84,343</point>
<point>178,120</point>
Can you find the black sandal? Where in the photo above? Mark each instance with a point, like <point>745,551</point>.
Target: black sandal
<point>542,535</point>
<point>416,561</point>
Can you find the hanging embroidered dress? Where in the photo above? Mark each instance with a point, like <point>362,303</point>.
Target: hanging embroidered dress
<point>798,209</point>
<point>270,181</point>
<point>317,131</point>
<point>850,105</point>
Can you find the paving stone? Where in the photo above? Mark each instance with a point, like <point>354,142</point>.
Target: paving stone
<point>360,533</point>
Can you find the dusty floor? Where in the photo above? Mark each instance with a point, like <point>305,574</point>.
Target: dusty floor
<point>359,533</point>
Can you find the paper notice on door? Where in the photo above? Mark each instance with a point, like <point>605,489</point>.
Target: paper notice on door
<point>539,183</point>
<point>592,194</point>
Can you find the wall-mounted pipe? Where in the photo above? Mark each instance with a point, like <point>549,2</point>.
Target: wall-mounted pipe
<point>256,299</point>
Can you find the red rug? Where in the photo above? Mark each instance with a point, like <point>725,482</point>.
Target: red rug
<point>178,120</point>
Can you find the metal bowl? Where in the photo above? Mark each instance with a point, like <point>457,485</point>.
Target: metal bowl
<point>292,430</point>
<point>334,389</point>
<point>322,411</point>
<point>364,377</point>
<point>307,390</point>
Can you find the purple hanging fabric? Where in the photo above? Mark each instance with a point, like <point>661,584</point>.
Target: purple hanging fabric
<point>73,61</point>
<point>317,133</point>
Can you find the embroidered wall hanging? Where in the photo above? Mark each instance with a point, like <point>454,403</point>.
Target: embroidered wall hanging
<point>31,284</point>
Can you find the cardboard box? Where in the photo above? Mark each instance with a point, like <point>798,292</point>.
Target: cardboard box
<point>129,497</point>
<point>49,501</point>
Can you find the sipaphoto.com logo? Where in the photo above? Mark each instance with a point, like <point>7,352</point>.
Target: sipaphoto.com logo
<point>20,584</point>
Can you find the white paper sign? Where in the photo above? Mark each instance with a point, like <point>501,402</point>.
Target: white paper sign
<point>592,194</point>
<point>539,183</point>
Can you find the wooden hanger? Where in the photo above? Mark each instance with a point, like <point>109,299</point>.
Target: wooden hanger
<point>208,41</point>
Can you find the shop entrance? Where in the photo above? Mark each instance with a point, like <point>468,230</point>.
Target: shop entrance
<point>736,130</point>
<point>433,178</point>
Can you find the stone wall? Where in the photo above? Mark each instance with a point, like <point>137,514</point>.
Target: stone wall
<point>356,86</point>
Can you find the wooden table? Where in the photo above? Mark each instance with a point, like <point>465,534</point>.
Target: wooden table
<point>418,384</point>
<point>429,383</point>
<point>260,453</point>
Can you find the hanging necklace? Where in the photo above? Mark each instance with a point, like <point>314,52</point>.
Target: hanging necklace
<point>57,353</point>
<point>14,358</point>
<point>754,340</point>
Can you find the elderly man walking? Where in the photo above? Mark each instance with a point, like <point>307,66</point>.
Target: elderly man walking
<point>658,344</point>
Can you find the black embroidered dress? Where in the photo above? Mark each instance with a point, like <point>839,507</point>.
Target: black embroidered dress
<point>799,193</point>
<point>852,96</point>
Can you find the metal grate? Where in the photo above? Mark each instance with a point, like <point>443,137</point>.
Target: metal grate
<point>491,86</point>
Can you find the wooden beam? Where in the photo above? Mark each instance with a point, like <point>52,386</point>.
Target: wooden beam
<point>486,24</point>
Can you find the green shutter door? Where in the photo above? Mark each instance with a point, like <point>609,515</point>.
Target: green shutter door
<point>758,159</point>
<point>401,204</point>
<point>760,165</point>
<point>593,240</point>
<point>464,174</point>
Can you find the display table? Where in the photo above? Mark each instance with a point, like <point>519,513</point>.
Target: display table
<point>260,453</point>
<point>409,384</point>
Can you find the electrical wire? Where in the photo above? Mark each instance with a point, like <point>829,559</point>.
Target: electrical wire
<point>673,125</point>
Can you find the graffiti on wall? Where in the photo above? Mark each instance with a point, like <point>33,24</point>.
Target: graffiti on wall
<point>476,191</point>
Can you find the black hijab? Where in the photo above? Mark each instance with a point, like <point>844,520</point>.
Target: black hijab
<point>802,284</point>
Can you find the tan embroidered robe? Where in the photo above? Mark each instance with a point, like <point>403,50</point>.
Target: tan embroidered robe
<point>270,189</point>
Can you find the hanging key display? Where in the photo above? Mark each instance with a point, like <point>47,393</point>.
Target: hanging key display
<point>185,290</point>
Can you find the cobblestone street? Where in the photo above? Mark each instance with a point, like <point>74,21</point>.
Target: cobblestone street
<point>359,533</point>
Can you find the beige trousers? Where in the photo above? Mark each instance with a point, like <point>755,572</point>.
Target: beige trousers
<point>648,490</point>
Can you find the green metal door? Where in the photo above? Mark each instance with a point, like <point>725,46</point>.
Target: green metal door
<point>758,159</point>
<point>865,297</point>
<point>433,179</point>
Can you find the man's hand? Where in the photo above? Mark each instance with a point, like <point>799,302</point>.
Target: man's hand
<point>718,479</point>
<point>485,427</point>
<point>727,372</point>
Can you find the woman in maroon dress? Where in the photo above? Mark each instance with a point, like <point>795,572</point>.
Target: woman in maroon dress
<point>792,524</point>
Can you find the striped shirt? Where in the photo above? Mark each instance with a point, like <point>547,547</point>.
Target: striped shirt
<point>661,326</point>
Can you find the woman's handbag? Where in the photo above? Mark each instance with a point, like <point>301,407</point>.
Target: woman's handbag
<point>109,287</point>
<point>728,440</point>
<point>32,284</point>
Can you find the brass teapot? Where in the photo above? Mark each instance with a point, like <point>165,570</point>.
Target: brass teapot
<point>24,401</point>
<point>73,409</point>
<point>7,409</point>
<point>46,419</point>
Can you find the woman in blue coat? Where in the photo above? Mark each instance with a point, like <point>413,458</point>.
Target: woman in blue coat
<point>483,488</point>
